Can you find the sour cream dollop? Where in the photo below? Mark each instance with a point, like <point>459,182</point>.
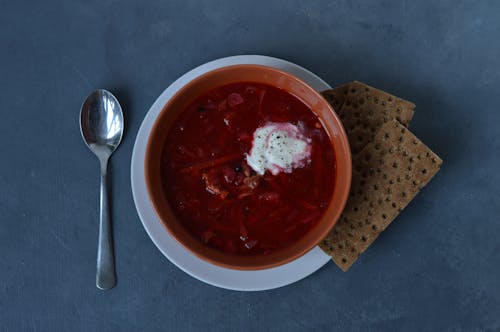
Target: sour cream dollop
<point>278,147</point>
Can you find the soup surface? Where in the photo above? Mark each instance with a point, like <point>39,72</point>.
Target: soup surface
<point>248,168</point>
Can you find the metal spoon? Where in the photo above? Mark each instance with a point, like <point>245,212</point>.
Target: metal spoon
<point>101,125</point>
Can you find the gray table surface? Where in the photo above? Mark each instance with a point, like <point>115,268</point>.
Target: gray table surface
<point>436,268</point>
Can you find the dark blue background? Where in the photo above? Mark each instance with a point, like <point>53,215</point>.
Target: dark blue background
<point>436,268</point>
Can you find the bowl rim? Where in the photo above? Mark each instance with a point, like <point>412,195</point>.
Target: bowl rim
<point>208,252</point>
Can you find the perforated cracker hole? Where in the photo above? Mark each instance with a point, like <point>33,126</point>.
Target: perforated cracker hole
<point>363,238</point>
<point>424,171</point>
<point>344,260</point>
<point>384,216</point>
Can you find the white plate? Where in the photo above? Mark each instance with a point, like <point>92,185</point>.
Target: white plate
<point>206,272</point>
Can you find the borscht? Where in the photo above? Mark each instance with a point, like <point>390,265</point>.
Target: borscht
<point>248,168</point>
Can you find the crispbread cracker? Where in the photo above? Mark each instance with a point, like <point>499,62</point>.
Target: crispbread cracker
<point>336,96</point>
<point>387,174</point>
<point>365,109</point>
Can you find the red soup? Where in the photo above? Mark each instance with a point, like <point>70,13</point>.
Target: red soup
<point>248,168</point>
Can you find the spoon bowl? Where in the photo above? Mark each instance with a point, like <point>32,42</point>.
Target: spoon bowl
<point>101,122</point>
<point>101,126</point>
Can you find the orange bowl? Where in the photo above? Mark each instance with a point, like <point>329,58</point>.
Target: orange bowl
<point>276,78</point>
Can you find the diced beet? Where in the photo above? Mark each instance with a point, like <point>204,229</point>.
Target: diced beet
<point>250,90</point>
<point>199,152</point>
<point>207,235</point>
<point>250,244</point>
<point>222,106</point>
<point>234,99</point>
<point>229,174</point>
<point>243,233</point>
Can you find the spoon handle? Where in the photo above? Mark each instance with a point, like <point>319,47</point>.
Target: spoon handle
<point>105,277</point>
